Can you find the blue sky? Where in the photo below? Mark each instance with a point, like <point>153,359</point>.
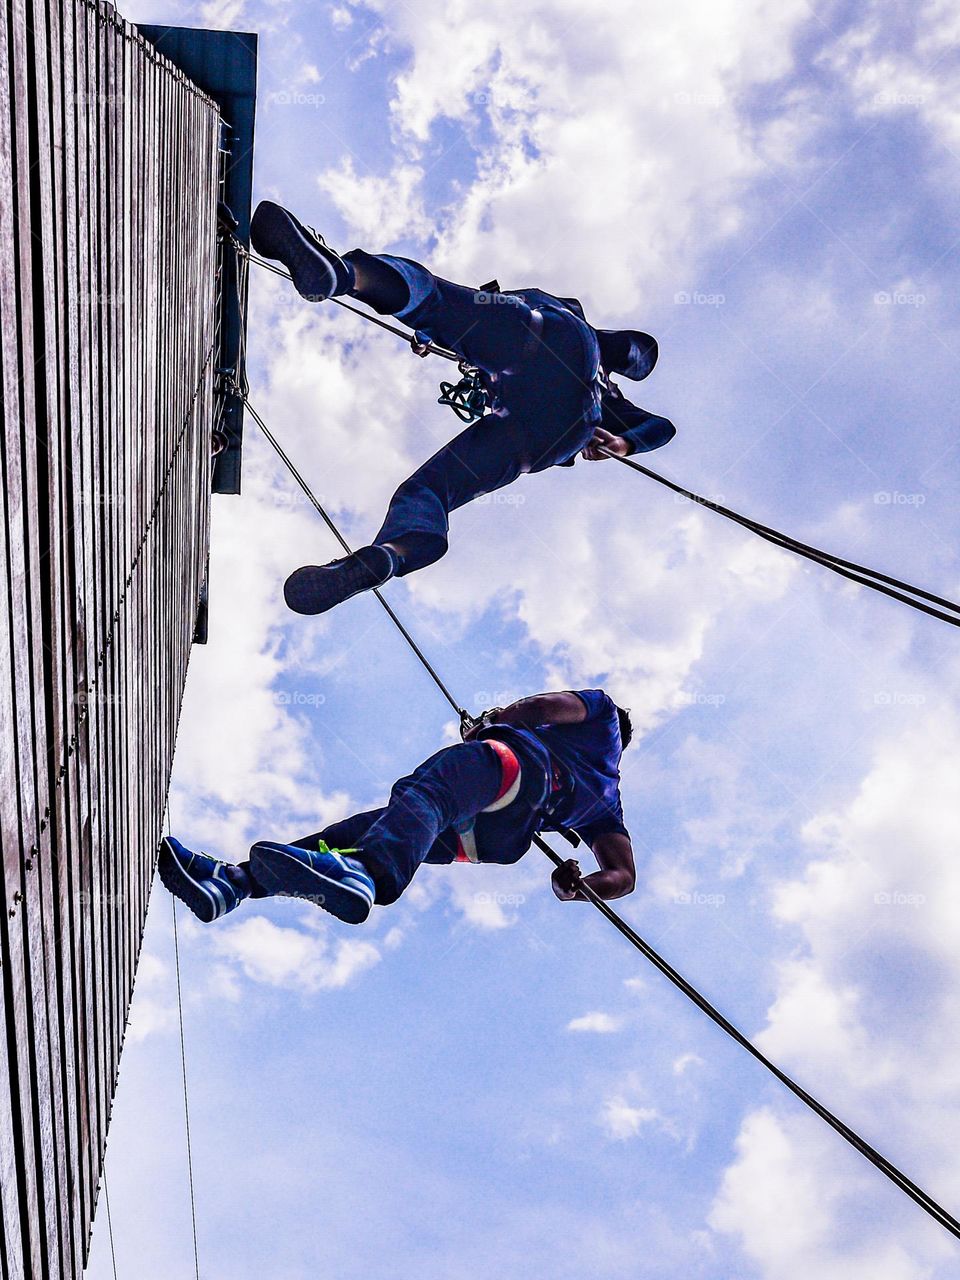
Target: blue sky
<point>483,1080</point>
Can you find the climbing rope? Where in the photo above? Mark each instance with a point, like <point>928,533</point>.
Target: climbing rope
<point>186,1101</point>
<point>858,573</point>
<point>891,1171</point>
<point>464,715</point>
<point>879,1161</point>
<point>113,1247</point>
<point>419,348</point>
<point>468,398</point>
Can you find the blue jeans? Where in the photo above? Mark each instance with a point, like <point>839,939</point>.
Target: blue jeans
<point>420,821</point>
<point>548,407</point>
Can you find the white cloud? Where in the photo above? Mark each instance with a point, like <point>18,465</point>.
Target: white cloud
<point>783,1197</point>
<point>540,88</point>
<point>223,13</point>
<point>626,1112</point>
<point>914,76</point>
<point>643,630</point>
<point>379,209</point>
<point>151,1009</point>
<point>288,957</point>
<point>864,1015</point>
<point>622,1120</point>
<point>685,1061</point>
<point>603,1023</point>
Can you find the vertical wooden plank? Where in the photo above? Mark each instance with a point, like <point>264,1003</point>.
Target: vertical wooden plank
<point>27,1038</point>
<point>16,1246</point>
<point>77,606</point>
<point>54,846</point>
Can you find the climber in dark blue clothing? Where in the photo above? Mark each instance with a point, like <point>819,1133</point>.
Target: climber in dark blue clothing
<point>545,369</point>
<point>545,763</point>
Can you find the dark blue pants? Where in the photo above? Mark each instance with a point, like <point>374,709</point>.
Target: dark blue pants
<point>418,824</point>
<point>448,791</point>
<point>548,409</point>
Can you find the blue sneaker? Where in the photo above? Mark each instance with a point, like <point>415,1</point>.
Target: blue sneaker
<point>327,877</point>
<point>317,588</point>
<point>318,272</point>
<point>210,888</point>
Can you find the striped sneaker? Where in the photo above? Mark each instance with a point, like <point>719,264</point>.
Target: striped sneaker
<point>327,877</point>
<point>210,888</point>
<point>317,271</point>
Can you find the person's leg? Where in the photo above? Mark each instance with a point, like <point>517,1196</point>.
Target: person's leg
<point>451,787</point>
<point>442,793</point>
<point>488,329</point>
<point>491,330</point>
<point>345,834</point>
<point>486,456</point>
<point>377,283</point>
<point>210,887</point>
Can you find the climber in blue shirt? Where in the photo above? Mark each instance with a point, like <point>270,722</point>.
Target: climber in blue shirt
<point>546,371</point>
<point>545,763</point>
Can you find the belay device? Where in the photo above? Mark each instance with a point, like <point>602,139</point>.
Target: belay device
<point>469,398</point>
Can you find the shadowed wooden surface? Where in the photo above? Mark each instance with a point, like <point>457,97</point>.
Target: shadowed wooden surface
<point>109,170</point>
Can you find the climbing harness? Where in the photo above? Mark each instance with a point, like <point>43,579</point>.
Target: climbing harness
<point>885,1166</point>
<point>468,398</point>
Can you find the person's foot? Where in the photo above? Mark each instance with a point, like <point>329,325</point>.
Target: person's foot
<point>317,588</point>
<point>318,272</point>
<point>209,887</point>
<point>328,877</point>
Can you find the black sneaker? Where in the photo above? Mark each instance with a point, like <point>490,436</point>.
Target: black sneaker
<point>318,272</point>
<point>317,588</point>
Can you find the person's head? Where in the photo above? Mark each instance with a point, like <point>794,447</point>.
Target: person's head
<point>626,727</point>
<point>627,352</point>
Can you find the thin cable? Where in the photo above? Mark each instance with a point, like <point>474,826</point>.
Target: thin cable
<point>291,467</point>
<point>425,348</point>
<point>890,1170</point>
<point>113,1249</point>
<point>858,573</point>
<point>186,1103</point>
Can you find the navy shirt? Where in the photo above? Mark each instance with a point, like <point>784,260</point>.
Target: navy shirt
<point>643,430</point>
<point>588,758</point>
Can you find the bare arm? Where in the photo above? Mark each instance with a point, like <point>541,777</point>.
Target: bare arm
<point>542,708</point>
<point>617,875</point>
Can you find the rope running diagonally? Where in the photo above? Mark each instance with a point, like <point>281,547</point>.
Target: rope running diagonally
<point>186,1103</point>
<point>891,1171</point>
<point>858,573</point>
<point>242,390</point>
<point>113,1247</point>
<point>879,1161</point>
<point>426,348</point>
